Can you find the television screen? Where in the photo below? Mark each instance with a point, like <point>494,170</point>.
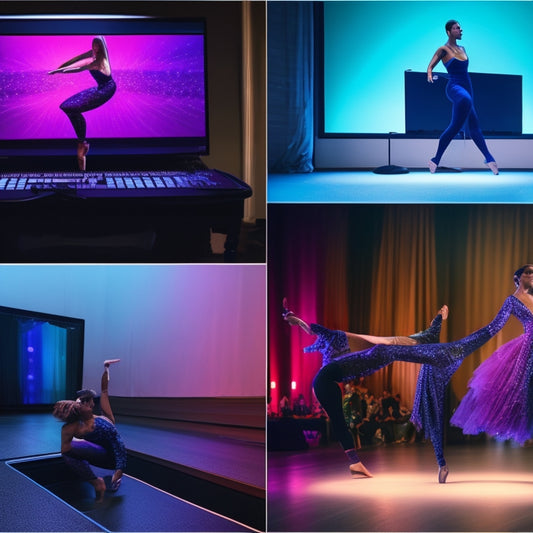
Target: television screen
<point>367,46</point>
<point>151,100</point>
<point>41,357</point>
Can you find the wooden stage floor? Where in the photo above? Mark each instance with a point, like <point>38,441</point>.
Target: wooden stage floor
<point>489,488</point>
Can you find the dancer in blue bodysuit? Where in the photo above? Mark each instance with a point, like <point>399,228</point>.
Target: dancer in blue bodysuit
<point>459,92</point>
<point>87,439</point>
<point>96,61</point>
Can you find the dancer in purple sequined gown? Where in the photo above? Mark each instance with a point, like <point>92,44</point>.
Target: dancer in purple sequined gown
<point>96,61</point>
<point>499,401</point>
<point>459,92</point>
<point>88,440</point>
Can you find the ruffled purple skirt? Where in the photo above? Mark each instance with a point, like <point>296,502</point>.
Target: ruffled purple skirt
<point>497,398</point>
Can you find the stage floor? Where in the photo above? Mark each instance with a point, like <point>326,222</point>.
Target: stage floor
<point>137,506</point>
<point>489,488</point>
<point>419,186</point>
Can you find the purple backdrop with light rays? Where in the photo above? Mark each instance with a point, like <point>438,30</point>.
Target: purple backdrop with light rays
<point>160,87</point>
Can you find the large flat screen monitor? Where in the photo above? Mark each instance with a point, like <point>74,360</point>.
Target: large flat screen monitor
<point>158,66</point>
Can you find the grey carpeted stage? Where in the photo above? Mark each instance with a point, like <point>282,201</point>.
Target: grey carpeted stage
<point>489,488</point>
<point>419,186</point>
<point>176,480</point>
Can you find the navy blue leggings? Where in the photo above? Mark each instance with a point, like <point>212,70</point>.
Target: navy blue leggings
<point>329,394</point>
<point>86,101</point>
<point>462,111</point>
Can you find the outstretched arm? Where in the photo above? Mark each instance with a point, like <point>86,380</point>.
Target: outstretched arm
<point>76,64</point>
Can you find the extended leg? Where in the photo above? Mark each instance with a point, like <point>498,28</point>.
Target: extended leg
<point>462,104</point>
<point>104,396</point>
<point>479,140</point>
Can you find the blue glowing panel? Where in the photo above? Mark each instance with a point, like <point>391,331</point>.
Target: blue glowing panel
<point>369,45</point>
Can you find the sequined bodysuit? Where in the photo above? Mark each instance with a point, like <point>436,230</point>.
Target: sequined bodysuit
<point>102,447</point>
<point>439,362</point>
<point>87,100</point>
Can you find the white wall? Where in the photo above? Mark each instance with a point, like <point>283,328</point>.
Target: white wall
<point>181,331</point>
<point>415,153</point>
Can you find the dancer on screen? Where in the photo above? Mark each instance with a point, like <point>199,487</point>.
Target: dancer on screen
<point>96,61</point>
<point>459,92</point>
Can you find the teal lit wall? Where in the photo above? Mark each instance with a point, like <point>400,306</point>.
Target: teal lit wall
<point>369,45</point>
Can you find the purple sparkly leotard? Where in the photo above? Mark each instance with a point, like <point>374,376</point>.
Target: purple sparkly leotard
<point>87,100</point>
<point>102,447</point>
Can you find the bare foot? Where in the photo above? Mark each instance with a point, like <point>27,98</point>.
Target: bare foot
<point>99,487</point>
<point>359,469</point>
<point>83,148</point>
<point>444,312</point>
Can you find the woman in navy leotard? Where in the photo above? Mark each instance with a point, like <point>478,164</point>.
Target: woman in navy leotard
<point>459,92</point>
<point>96,61</point>
<point>88,440</point>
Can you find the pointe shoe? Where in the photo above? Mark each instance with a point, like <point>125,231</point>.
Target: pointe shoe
<point>432,166</point>
<point>493,166</point>
<point>359,469</point>
<point>443,473</point>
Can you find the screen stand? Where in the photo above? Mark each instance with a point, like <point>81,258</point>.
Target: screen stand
<point>390,169</point>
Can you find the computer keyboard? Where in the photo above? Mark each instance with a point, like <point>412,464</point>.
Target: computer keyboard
<point>113,184</point>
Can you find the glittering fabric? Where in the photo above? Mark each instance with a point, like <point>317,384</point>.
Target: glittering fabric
<point>105,434</point>
<point>459,92</point>
<point>428,409</point>
<point>499,398</point>
<point>439,362</point>
<point>102,447</point>
<point>330,343</point>
<point>87,100</point>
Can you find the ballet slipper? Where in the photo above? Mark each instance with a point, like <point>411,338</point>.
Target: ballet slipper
<point>493,166</point>
<point>443,473</point>
<point>432,166</point>
<point>359,469</point>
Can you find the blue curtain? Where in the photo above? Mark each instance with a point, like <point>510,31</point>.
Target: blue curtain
<point>290,86</point>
